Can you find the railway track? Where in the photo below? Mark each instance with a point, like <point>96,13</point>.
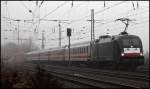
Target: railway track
<point>143,69</point>
<point>115,78</point>
<point>85,80</point>
<point>119,74</point>
<point>92,77</point>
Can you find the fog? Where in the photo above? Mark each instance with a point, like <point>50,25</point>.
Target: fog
<point>14,54</point>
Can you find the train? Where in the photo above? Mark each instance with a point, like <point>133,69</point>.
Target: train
<point>114,51</point>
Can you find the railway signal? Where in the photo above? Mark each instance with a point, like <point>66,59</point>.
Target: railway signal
<point>69,34</point>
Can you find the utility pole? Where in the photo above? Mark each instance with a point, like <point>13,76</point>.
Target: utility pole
<point>4,47</point>
<point>93,21</point>
<point>59,34</point>
<point>18,30</point>
<point>91,26</point>
<point>91,33</point>
<point>59,25</point>
<point>92,30</point>
<point>92,12</point>
<point>43,39</point>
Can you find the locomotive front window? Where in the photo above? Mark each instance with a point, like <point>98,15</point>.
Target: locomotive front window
<point>131,41</point>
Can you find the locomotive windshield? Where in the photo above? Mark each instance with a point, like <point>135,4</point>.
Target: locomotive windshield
<point>131,41</point>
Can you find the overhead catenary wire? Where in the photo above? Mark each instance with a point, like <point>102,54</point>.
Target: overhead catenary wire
<point>71,9</point>
<point>114,5</point>
<point>54,9</point>
<point>110,20</point>
<point>29,10</point>
<point>24,5</point>
<point>100,11</point>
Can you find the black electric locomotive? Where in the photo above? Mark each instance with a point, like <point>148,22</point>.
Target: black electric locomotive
<point>119,50</point>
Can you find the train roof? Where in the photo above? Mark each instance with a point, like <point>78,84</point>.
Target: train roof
<point>124,35</point>
<point>80,44</point>
<point>58,48</point>
<point>38,51</point>
<point>108,38</point>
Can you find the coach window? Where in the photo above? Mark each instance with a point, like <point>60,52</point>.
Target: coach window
<point>70,50</point>
<point>83,49</point>
<point>77,50</point>
<point>80,50</point>
<point>86,49</point>
<point>74,50</point>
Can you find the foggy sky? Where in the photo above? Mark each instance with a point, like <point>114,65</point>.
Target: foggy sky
<point>81,28</point>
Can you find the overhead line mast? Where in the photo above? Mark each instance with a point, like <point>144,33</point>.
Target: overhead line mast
<point>59,21</point>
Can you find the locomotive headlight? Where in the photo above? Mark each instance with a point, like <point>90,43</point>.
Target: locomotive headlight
<point>122,54</point>
<point>141,54</point>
